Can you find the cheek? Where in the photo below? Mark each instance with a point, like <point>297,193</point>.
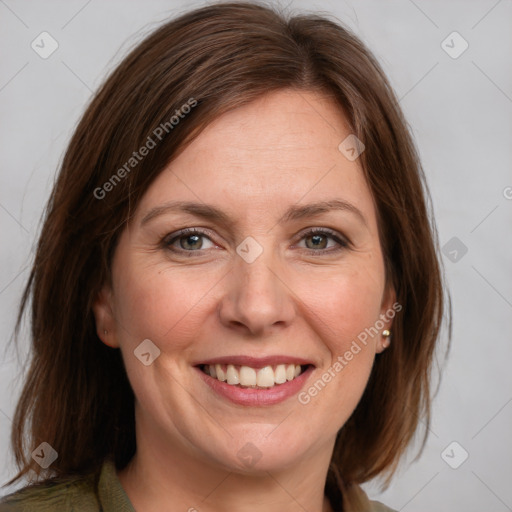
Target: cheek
<point>345,303</point>
<point>345,306</point>
<point>161,304</point>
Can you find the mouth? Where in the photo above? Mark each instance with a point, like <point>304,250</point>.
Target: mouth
<point>242,376</point>
<point>251,381</point>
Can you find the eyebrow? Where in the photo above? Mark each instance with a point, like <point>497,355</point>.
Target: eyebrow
<point>295,212</point>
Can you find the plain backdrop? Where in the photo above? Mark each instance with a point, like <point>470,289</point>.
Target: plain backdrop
<point>458,102</point>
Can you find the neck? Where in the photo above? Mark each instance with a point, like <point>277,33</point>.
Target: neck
<point>161,474</point>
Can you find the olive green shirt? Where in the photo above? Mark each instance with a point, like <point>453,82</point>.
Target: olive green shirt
<point>83,494</point>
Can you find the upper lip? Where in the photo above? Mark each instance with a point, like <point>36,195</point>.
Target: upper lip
<point>256,362</point>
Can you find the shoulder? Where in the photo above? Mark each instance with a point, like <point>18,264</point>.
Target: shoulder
<point>73,495</point>
<point>376,506</point>
<point>355,499</point>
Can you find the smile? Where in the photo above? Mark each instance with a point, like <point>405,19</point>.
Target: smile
<point>255,381</point>
<point>255,378</point>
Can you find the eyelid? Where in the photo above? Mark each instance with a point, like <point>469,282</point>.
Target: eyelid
<point>342,241</point>
<point>323,230</point>
<point>172,237</point>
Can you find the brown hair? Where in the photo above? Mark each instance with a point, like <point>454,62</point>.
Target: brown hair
<point>76,395</point>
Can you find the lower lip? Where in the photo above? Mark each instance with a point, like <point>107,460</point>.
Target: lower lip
<point>255,397</point>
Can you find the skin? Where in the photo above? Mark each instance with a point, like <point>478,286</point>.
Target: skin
<point>296,298</point>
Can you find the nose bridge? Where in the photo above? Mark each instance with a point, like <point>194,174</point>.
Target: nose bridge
<point>258,276</point>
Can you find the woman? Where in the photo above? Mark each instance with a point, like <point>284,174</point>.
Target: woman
<point>236,294</point>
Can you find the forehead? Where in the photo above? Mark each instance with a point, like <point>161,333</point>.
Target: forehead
<point>277,150</point>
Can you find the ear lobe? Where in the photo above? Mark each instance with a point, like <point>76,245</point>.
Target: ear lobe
<point>104,318</point>
<point>389,308</point>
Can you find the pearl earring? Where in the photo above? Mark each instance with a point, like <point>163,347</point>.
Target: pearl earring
<point>386,334</point>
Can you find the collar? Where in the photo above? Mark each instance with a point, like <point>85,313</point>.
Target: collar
<point>113,497</point>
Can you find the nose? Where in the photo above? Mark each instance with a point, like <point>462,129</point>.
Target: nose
<point>258,298</point>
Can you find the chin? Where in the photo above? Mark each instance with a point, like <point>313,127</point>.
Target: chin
<point>257,454</point>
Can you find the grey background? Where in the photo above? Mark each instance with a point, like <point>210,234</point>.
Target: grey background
<point>459,110</point>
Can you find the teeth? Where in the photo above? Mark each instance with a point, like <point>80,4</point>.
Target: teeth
<point>246,376</point>
<point>265,377</point>
<point>290,372</point>
<point>220,373</point>
<point>280,374</point>
<point>232,375</point>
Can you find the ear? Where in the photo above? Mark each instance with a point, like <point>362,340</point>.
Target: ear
<point>389,309</point>
<point>104,317</point>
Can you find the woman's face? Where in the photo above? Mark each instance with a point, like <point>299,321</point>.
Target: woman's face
<point>250,286</point>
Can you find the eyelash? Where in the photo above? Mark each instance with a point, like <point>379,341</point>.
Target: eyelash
<point>343,244</point>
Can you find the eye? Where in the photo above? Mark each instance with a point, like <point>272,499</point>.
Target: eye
<point>187,240</point>
<point>191,240</point>
<point>317,240</point>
